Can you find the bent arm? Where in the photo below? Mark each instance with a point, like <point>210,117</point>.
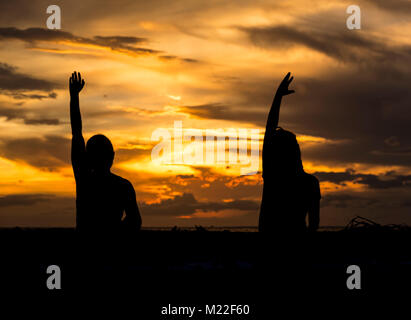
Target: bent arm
<point>314,215</point>
<point>132,220</point>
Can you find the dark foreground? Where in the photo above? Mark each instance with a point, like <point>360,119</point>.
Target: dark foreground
<point>155,269</point>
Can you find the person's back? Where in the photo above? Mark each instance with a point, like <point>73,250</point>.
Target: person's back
<point>286,203</point>
<point>102,201</point>
<point>102,197</point>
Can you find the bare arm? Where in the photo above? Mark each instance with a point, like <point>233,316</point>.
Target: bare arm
<point>132,220</point>
<point>274,114</point>
<point>78,148</point>
<point>314,215</point>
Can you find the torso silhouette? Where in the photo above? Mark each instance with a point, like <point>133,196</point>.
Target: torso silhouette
<point>286,201</point>
<point>102,197</point>
<point>288,192</point>
<point>101,200</point>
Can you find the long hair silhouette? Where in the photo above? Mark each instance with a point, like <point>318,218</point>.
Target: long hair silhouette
<point>287,158</point>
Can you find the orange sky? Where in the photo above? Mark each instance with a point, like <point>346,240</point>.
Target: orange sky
<point>212,66</point>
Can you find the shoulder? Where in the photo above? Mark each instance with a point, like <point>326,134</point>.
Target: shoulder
<point>311,182</point>
<point>121,182</point>
<point>309,178</point>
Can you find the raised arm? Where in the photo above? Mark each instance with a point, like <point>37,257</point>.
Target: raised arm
<point>78,147</point>
<point>274,114</point>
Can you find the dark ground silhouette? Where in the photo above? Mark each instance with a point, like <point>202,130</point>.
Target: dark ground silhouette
<point>154,268</point>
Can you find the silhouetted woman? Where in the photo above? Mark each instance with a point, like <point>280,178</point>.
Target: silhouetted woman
<point>289,192</point>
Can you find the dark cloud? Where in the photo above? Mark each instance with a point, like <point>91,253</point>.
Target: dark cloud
<point>24,96</point>
<point>48,153</point>
<point>187,205</point>
<point>386,181</point>
<point>14,83</point>
<point>49,122</point>
<point>123,44</point>
<point>170,57</point>
<point>335,43</point>
<point>223,112</point>
<point>185,176</point>
<point>37,210</point>
<point>189,60</point>
<point>123,154</point>
<point>23,199</point>
<point>345,200</point>
<point>359,111</point>
<point>116,43</point>
<point>19,113</point>
<point>392,181</point>
<point>397,6</point>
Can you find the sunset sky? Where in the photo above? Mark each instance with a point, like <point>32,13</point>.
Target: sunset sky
<point>212,65</point>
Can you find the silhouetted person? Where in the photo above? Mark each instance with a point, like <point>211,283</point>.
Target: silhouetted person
<point>102,197</point>
<point>289,193</point>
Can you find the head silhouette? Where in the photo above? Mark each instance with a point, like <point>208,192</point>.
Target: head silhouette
<point>100,153</point>
<point>288,155</point>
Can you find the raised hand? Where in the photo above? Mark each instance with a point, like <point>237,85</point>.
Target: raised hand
<point>283,87</point>
<point>76,83</point>
<point>274,114</point>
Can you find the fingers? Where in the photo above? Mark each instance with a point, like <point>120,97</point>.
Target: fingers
<point>287,77</point>
<point>285,80</point>
<point>76,77</point>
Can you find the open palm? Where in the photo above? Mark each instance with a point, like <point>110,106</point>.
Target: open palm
<point>76,83</point>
